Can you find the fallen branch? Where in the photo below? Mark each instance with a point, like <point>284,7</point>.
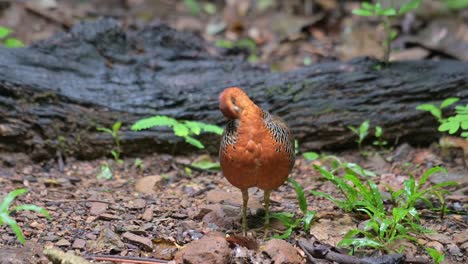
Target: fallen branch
<point>315,250</point>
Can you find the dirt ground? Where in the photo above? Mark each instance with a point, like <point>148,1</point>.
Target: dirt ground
<point>155,210</point>
<point>166,208</point>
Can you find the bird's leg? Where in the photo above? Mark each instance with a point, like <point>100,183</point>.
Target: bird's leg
<point>245,199</point>
<point>266,200</point>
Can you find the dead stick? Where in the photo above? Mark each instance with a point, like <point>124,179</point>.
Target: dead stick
<point>133,260</point>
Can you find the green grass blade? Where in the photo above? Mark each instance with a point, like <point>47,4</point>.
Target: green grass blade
<point>194,142</point>
<point>429,172</point>
<point>34,208</point>
<point>13,225</point>
<point>8,199</point>
<point>300,195</point>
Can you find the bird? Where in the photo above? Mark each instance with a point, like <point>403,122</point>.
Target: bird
<point>256,149</point>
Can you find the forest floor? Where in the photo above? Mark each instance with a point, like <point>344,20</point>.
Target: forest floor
<point>154,210</point>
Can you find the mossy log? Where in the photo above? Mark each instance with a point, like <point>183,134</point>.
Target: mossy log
<point>54,93</point>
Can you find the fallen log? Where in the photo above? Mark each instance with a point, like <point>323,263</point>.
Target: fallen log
<point>54,93</point>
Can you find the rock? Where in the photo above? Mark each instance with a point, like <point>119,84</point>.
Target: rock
<point>332,231</point>
<point>136,204</point>
<point>97,208</point>
<point>464,247</point>
<point>108,217</point>
<point>212,248</point>
<point>79,244</point>
<point>459,175</point>
<point>281,252</point>
<point>31,252</point>
<point>148,184</point>
<point>378,164</point>
<point>58,256</point>
<point>148,214</point>
<point>225,216</point>
<point>460,238</point>
<point>142,242</point>
<point>454,250</point>
<point>435,245</point>
<point>403,152</point>
<point>108,240</point>
<point>179,216</point>
<point>63,243</point>
<point>164,249</point>
<point>444,239</point>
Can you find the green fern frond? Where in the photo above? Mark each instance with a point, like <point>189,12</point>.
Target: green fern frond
<point>154,121</point>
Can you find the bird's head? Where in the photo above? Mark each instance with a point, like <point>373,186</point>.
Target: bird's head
<point>233,101</point>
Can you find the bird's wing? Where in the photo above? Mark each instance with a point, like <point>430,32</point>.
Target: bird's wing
<point>280,133</point>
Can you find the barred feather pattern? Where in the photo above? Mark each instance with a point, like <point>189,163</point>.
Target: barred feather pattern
<point>280,134</point>
<point>229,134</point>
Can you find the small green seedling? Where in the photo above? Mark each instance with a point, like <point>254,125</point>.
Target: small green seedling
<point>9,42</point>
<point>384,14</point>
<point>138,163</point>
<point>413,191</point>
<point>380,231</point>
<point>435,110</point>
<point>184,129</point>
<point>356,193</point>
<point>452,124</point>
<point>114,132</point>
<point>247,44</point>
<point>458,122</point>
<point>287,219</point>
<point>383,229</point>
<point>361,132</point>
<point>206,165</point>
<point>436,256</point>
<point>5,212</point>
<point>310,156</point>
<point>380,142</point>
<point>105,172</point>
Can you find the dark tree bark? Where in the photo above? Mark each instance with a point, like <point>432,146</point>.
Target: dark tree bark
<point>55,93</point>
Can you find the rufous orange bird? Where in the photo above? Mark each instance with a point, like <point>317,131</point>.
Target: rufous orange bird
<point>257,148</point>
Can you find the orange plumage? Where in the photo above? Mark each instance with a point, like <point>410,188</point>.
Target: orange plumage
<point>257,148</point>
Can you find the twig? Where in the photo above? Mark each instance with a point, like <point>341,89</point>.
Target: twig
<point>132,260</point>
<point>315,250</point>
<point>47,15</point>
<point>76,201</point>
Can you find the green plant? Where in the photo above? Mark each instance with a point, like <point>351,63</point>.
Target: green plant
<point>437,256</point>
<point>5,212</point>
<point>383,229</point>
<point>357,195</point>
<point>361,132</point>
<point>9,42</point>
<point>310,156</point>
<point>413,191</point>
<point>380,142</point>
<point>193,6</point>
<point>384,14</point>
<point>452,124</point>
<point>184,129</point>
<point>287,219</point>
<point>456,4</point>
<point>138,163</point>
<point>206,165</point>
<point>114,132</point>
<point>380,231</point>
<point>246,43</point>
<point>105,172</point>
<point>457,122</point>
